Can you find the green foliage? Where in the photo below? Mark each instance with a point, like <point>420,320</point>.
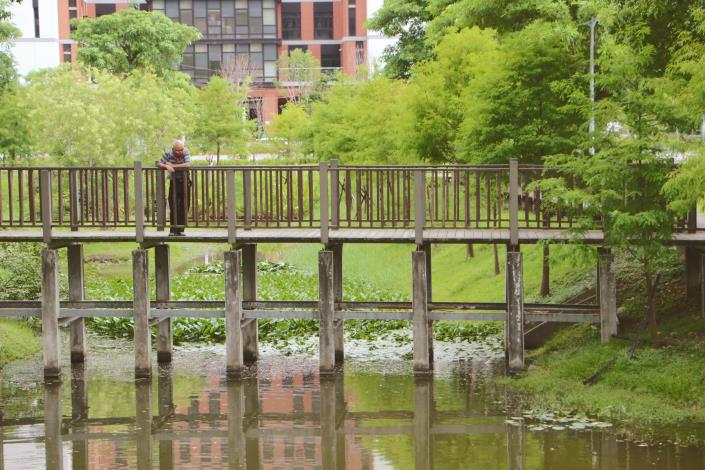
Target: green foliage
<point>407,21</point>
<point>17,341</point>
<point>220,119</point>
<point>8,33</point>
<point>20,276</point>
<point>14,126</point>
<point>131,39</point>
<point>290,131</point>
<point>91,117</point>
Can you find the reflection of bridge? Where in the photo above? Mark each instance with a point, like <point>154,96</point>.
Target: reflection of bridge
<point>332,205</point>
<point>239,425</point>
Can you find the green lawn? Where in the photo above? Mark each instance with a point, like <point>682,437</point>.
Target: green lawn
<point>17,340</point>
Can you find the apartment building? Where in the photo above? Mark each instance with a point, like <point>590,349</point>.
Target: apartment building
<point>240,37</point>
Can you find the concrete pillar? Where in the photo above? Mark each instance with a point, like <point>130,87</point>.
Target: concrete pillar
<point>51,341</point>
<point>165,398</point>
<point>426,247</point>
<point>143,415</point>
<point>514,326</point>
<point>53,449</point>
<point>140,307</point>
<point>236,425</point>
<point>233,315</point>
<point>77,328</point>
<point>250,337</point>
<point>692,273</point>
<point>422,337</point>
<point>163,294</point>
<point>326,307</point>
<point>79,414</point>
<point>337,249</point>
<point>607,285</point>
<point>423,421</point>
<point>328,424</point>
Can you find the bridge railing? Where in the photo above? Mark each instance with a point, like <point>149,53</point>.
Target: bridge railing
<point>452,196</point>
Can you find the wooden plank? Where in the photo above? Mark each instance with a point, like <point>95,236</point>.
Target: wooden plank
<point>326,308</point>
<point>140,307</point>
<point>139,203</point>
<point>162,283</point>
<point>231,207</point>
<point>422,353</point>
<point>323,200</point>
<point>419,206</point>
<point>233,314</point>
<point>51,341</point>
<point>78,342</point>
<point>46,204</point>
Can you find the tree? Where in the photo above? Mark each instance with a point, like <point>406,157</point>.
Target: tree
<point>14,126</point>
<point>131,39</point>
<point>220,122</point>
<point>300,74</point>
<point>405,19</point>
<point>8,33</point>
<point>291,131</point>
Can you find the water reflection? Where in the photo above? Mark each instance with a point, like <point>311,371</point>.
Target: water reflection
<point>294,419</point>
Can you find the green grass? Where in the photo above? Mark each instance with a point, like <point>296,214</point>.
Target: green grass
<point>17,340</point>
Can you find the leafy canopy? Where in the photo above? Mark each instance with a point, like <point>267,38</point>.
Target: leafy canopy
<point>131,39</point>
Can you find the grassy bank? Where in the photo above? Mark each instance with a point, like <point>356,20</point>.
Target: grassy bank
<point>17,340</point>
<point>661,390</point>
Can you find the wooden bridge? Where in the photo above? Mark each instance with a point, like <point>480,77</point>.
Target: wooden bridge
<point>328,204</point>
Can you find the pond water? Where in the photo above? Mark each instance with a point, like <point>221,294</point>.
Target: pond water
<point>372,415</point>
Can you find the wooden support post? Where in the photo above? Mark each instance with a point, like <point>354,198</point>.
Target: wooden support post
<point>163,294</point>
<point>139,203</point>
<point>419,303</point>
<point>419,205</point>
<point>231,208</point>
<point>51,341</point>
<point>334,195</point>
<point>161,200</point>
<point>323,200</point>
<point>73,200</point>
<point>79,345</point>
<point>326,307</point>
<point>513,202</point>
<point>165,399</point>
<point>607,285</point>
<point>337,249</point>
<point>236,425</point>
<point>53,448</point>
<point>233,315</point>
<point>423,421</point>
<point>140,307</point>
<point>426,247</point>
<point>250,333</point>
<point>514,328</point>
<point>247,191</point>
<point>46,204</point>
<point>79,415</point>
<point>328,424</point>
<point>143,418</point>
<point>692,273</point>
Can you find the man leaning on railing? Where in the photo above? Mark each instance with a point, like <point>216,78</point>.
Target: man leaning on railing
<point>176,163</point>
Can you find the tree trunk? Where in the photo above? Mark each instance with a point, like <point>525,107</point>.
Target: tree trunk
<point>546,275</point>
<point>470,251</point>
<point>496,259</point>
<point>217,154</point>
<point>651,305</point>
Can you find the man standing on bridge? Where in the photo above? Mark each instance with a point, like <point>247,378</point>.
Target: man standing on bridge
<point>176,163</point>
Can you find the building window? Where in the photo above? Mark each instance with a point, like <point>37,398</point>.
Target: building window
<point>67,52</point>
<point>323,20</point>
<point>291,20</point>
<point>35,8</point>
<point>104,9</point>
<point>302,47</point>
<point>330,56</point>
<point>352,16</point>
<point>146,5</point>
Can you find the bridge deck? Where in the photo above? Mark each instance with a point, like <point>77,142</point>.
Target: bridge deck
<point>312,235</point>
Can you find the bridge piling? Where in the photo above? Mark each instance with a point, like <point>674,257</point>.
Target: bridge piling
<point>337,249</point>
<point>233,315</point>
<point>51,341</point>
<point>422,361</point>
<point>250,337</point>
<point>140,306</point>
<point>514,327</point>
<point>426,247</point>
<point>607,286</point>
<point>326,308</point>
<point>163,294</point>
<point>77,328</point>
